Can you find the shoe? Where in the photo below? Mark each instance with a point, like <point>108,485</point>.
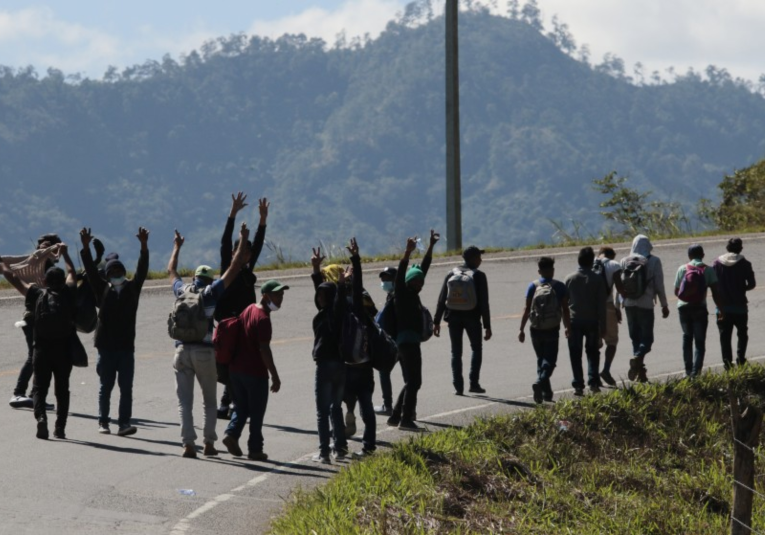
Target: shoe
<point>126,430</point>
<point>339,455</point>
<point>409,426</point>
<point>363,454</point>
<point>383,410</point>
<point>537,389</point>
<point>459,393</point>
<point>49,406</point>
<point>595,389</point>
<point>59,433</point>
<point>232,445</point>
<point>393,421</point>
<point>579,391</point>
<point>323,459</point>
<point>257,456</point>
<point>104,429</point>
<point>42,429</point>
<point>18,402</point>
<point>548,397</point>
<point>476,389</point>
<point>350,424</point>
<point>642,375</point>
<point>223,413</point>
<point>634,368</point>
<point>209,450</point>
<point>189,451</point>
<point>606,376</point>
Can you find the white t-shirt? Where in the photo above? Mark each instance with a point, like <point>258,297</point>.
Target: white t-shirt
<point>611,267</point>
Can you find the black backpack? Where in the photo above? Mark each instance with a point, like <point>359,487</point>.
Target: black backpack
<point>86,314</point>
<point>54,316</point>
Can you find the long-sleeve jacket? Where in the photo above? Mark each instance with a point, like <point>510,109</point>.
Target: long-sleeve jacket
<point>481,309</point>
<point>327,323</point>
<point>654,290</point>
<point>241,292</point>
<point>408,305</point>
<point>117,309</point>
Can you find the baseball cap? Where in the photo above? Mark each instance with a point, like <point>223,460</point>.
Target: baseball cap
<point>272,285</point>
<point>114,264</point>
<point>388,272</point>
<point>204,271</point>
<point>471,251</point>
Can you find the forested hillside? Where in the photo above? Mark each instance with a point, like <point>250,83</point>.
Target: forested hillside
<point>350,140</point>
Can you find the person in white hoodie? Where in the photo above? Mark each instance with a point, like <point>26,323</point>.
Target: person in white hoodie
<point>642,286</point>
<point>735,277</point>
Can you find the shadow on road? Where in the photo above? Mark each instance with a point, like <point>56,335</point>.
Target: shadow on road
<point>444,426</point>
<point>287,429</point>
<point>118,449</point>
<point>136,421</point>
<point>305,470</point>
<point>506,401</point>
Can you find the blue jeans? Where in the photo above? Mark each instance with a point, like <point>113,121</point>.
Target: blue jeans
<point>330,387</point>
<point>250,400</point>
<point>740,322</point>
<point>459,323</point>
<point>590,335</point>
<point>545,345</point>
<point>640,325</point>
<point>116,366</point>
<point>360,383</point>
<point>694,321</point>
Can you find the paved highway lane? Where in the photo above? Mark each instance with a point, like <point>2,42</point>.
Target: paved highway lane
<point>92,483</point>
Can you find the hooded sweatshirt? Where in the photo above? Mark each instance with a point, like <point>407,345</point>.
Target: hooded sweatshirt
<point>641,246</point>
<point>735,277</point>
<point>327,323</point>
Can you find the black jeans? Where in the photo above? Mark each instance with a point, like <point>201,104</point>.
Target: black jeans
<point>28,368</point>
<point>410,357</point>
<point>590,335</point>
<point>694,321</point>
<point>52,360</point>
<point>545,344</point>
<point>725,326</point>
<point>458,324</point>
<point>360,383</point>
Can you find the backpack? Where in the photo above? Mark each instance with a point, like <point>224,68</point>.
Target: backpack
<point>86,314</point>
<point>460,290</point>
<point>54,316</point>
<point>545,311</point>
<point>188,322</point>
<point>599,268</point>
<point>634,277</point>
<point>354,340</point>
<point>693,286</point>
<point>427,324</point>
<point>383,348</point>
<point>226,339</point>
<point>386,318</point>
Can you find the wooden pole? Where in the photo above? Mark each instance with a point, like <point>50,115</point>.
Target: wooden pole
<point>746,434</point>
<point>453,178</point>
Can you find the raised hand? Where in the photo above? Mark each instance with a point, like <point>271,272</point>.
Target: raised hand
<point>353,247</point>
<point>434,237</point>
<point>143,235</point>
<point>237,203</point>
<point>317,258</point>
<point>244,233</point>
<point>263,205</point>
<point>411,244</point>
<point>86,237</point>
<point>178,240</point>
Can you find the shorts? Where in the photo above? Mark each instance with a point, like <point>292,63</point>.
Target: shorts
<point>611,336</point>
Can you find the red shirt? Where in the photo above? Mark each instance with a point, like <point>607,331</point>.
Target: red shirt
<point>256,330</point>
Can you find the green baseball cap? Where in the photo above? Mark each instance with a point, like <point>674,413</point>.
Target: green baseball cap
<point>272,286</point>
<point>204,271</point>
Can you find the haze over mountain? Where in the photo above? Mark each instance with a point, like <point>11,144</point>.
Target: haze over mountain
<point>350,140</point>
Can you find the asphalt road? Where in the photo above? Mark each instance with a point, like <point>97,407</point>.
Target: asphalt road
<point>92,483</point>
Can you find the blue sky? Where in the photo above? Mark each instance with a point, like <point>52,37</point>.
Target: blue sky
<point>86,36</point>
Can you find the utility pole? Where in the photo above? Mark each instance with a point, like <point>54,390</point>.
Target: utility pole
<point>453,179</point>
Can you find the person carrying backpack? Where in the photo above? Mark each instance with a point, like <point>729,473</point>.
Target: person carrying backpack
<point>192,320</point>
<point>410,327</point>
<point>53,309</point>
<point>546,305</point>
<point>611,271</point>
<point>386,320</point>
<point>117,300</point>
<point>691,283</point>
<point>241,293</point>
<point>587,304</point>
<point>463,303</point>
<point>735,278</point>
<point>642,286</point>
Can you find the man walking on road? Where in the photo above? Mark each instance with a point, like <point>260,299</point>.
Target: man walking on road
<point>388,284</point>
<point>117,300</point>
<point>643,285</point>
<point>735,278</point>
<point>463,303</point>
<point>611,271</point>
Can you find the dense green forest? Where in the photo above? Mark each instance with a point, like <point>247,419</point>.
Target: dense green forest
<point>348,139</point>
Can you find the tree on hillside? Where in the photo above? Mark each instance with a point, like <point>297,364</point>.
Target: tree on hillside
<point>532,15</point>
<point>742,203</point>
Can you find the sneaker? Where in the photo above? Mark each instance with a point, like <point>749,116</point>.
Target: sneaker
<point>340,454</point>
<point>18,402</point>
<point>409,426</point>
<point>42,429</point>
<point>49,406</point>
<point>477,389</point>
<point>606,376</point>
<point>223,413</point>
<point>595,389</point>
<point>363,454</point>
<point>579,391</point>
<point>642,376</point>
<point>104,429</point>
<point>257,456</point>
<point>350,424</point>
<point>634,368</point>
<point>393,421</point>
<point>548,397</point>
<point>459,392</point>
<point>126,430</point>
<point>209,450</point>
<point>189,451</point>
<point>537,389</point>
<point>323,459</point>
<point>59,433</point>
<point>232,445</point>
<point>383,410</point>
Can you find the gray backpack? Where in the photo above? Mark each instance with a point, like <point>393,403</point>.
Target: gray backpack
<point>460,290</point>
<point>188,322</point>
<point>545,308</point>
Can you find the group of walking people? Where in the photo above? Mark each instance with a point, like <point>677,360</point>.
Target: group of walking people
<point>223,332</point>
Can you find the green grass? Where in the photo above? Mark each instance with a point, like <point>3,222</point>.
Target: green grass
<point>645,459</point>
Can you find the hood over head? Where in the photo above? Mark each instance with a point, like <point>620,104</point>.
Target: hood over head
<point>641,245</point>
<point>329,289</point>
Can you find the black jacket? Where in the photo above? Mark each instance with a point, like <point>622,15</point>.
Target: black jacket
<point>407,304</point>
<point>482,297</point>
<point>117,310</point>
<point>327,323</point>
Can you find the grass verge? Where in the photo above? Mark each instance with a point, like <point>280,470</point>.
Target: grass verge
<point>647,459</point>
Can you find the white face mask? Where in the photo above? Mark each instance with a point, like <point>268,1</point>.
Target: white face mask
<point>387,286</point>
<point>272,306</point>
<point>118,281</point>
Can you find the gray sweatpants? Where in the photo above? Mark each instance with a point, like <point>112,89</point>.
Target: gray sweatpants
<point>198,361</point>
